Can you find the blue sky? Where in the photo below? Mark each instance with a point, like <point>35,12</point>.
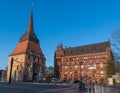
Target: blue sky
<point>70,22</point>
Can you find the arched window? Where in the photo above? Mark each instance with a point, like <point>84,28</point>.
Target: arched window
<point>101,64</point>
<point>94,65</point>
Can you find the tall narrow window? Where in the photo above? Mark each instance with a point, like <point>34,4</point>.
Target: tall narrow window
<point>70,66</point>
<point>88,73</point>
<point>81,66</point>
<point>34,59</point>
<point>76,66</point>
<point>87,65</point>
<point>28,57</point>
<point>101,64</point>
<point>94,65</point>
<point>82,73</point>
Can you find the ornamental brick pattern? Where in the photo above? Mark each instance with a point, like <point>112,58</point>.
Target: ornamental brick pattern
<point>88,62</point>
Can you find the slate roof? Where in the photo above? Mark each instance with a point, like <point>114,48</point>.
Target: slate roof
<point>98,47</point>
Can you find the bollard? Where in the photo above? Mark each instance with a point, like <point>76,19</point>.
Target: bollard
<point>91,89</point>
<point>95,89</point>
<point>102,89</point>
<point>88,89</point>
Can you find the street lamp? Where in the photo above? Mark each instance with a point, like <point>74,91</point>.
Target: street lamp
<point>81,63</point>
<point>11,65</point>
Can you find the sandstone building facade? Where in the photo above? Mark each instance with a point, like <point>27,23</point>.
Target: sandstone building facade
<point>28,58</point>
<point>88,62</point>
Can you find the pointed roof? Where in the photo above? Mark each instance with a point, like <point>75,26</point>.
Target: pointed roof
<point>60,46</point>
<point>28,42</point>
<point>29,34</point>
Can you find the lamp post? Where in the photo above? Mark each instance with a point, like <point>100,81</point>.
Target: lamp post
<point>34,72</point>
<point>11,65</point>
<point>81,70</point>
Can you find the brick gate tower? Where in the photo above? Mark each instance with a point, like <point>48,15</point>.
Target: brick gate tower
<point>28,59</point>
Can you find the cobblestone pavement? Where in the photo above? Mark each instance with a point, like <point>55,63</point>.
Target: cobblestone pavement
<point>39,88</point>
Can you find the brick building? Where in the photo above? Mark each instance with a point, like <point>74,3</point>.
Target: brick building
<point>87,62</point>
<point>28,59</point>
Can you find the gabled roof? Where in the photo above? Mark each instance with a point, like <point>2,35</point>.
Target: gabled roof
<point>98,47</point>
<point>29,34</point>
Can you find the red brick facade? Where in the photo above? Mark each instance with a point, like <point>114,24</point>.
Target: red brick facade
<point>84,62</point>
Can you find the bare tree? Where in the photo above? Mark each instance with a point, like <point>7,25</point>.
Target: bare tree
<point>49,72</point>
<point>115,41</point>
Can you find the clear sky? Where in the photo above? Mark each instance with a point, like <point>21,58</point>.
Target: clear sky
<point>70,22</point>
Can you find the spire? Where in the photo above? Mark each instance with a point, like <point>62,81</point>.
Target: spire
<point>29,34</point>
<point>30,28</point>
<point>60,46</point>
